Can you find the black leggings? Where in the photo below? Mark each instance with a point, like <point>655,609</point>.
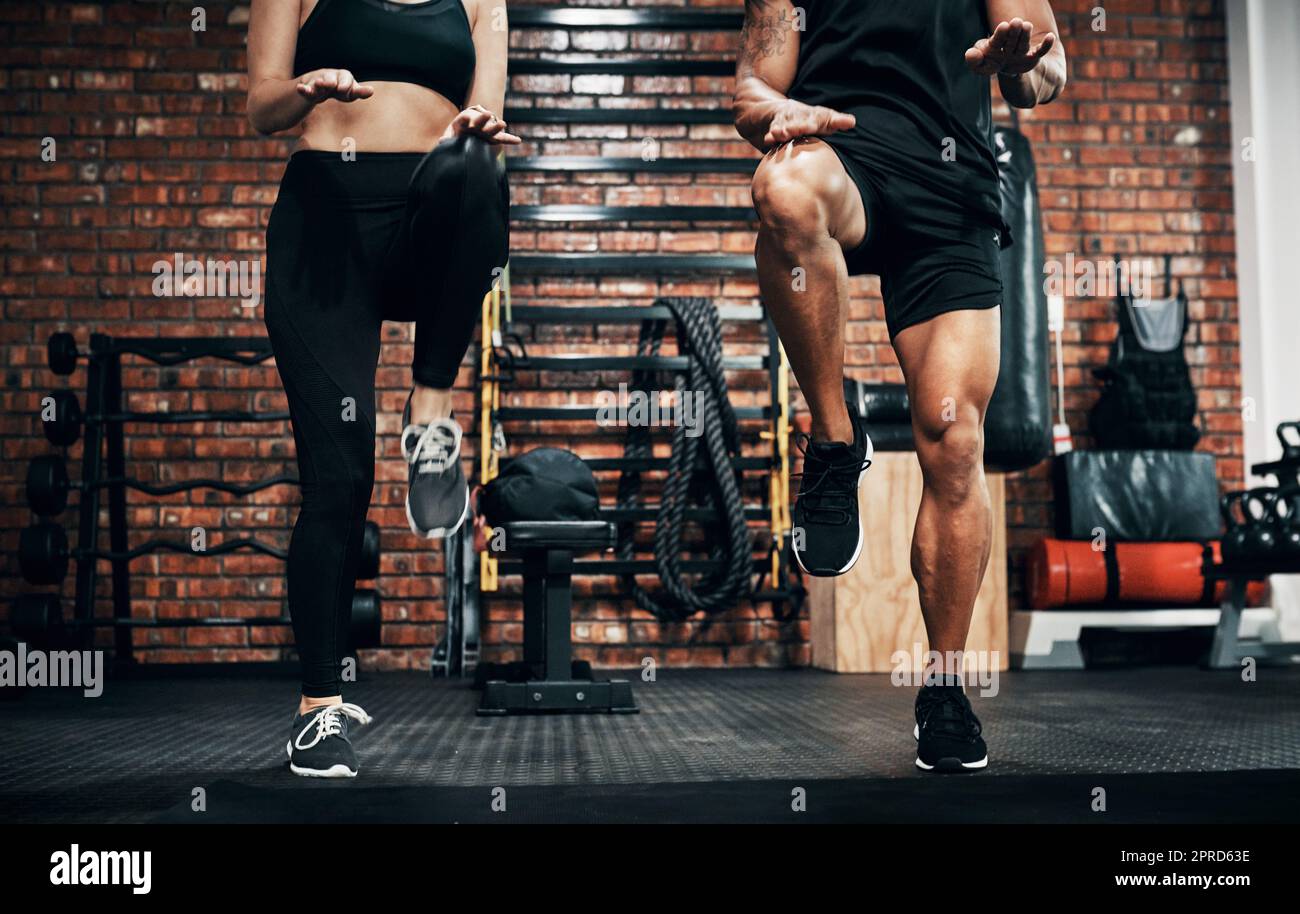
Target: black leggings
<point>350,244</point>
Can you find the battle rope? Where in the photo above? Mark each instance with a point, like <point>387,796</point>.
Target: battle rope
<point>696,476</point>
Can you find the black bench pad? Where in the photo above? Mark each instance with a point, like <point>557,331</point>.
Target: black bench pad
<point>577,535</point>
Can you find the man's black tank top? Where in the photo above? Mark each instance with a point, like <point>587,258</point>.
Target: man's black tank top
<point>899,68</point>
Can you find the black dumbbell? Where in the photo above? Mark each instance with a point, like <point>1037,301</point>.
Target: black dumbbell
<point>61,353</point>
<point>43,553</point>
<point>48,485</point>
<point>61,417</point>
<point>38,619</point>
<point>367,619</point>
<point>369,568</point>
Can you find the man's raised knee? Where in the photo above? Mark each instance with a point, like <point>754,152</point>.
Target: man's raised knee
<point>792,191</point>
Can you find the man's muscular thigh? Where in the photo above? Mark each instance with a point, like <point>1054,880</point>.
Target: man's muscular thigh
<point>802,186</point>
<point>951,364</point>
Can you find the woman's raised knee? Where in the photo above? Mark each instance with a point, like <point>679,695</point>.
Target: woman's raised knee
<point>465,161</point>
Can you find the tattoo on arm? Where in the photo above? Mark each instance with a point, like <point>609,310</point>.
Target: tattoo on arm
<point>763,35</point>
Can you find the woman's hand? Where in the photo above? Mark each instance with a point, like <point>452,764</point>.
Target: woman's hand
<point>341,85</point>
<point>1007,51</point>
<point>481,122</point>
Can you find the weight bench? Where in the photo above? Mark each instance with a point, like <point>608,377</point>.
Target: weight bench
<point>548,683</point>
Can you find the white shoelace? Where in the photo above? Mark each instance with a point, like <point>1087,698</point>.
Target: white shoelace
<point>436,448</point>
<point>328,724</point>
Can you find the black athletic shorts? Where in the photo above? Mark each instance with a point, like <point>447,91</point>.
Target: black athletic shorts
<point>932,254</point>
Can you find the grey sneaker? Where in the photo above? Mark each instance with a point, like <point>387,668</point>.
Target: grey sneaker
<point>318,744</point>
<point>437,496</point>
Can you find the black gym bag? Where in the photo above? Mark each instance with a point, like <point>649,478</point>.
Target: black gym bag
<point>546,483</point>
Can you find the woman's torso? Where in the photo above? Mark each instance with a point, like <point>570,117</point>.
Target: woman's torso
<point>418,56</point>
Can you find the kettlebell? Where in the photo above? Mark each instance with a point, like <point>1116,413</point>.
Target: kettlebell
<point>1233,545</point>
<point>1261,538</point>
<point>1288,434</point>
<point>1288,523</point>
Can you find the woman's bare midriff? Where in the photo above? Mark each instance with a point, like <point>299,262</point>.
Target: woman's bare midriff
<point>399,117</point>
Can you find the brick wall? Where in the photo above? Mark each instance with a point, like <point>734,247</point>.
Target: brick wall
<point>154,156</point>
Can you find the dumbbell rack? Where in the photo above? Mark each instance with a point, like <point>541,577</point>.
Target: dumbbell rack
<point>1228,649</point>
<point>104,472</point>
<point>503,324</point>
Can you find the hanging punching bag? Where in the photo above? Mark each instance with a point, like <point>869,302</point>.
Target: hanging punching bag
<point>1018,426</point>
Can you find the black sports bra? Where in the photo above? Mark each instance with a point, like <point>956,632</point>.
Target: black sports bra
<point>426,43</point>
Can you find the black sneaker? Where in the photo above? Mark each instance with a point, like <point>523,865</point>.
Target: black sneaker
<point>827,509</point>
<point>947,731</point>
<point>318,744</point>
<point>437,496</point>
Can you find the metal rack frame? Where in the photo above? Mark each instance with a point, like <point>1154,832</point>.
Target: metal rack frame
<point>103,475</point>
<point>496,364</point>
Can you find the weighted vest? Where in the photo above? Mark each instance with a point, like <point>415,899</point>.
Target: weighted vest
<point>1147,399</point>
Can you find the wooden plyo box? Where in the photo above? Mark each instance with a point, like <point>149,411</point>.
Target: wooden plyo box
<point>861,618</point>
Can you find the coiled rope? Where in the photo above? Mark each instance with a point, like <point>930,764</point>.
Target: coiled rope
<point>699,473</point>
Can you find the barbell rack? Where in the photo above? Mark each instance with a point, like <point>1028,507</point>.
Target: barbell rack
<point>104,476</point>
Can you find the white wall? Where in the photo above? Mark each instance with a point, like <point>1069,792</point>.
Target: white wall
<point>1264,73</point>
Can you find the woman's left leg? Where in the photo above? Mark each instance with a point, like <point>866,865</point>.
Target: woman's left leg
<point>454,246</point>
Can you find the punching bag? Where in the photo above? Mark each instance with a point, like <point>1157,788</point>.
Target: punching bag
<point>1018,426</point>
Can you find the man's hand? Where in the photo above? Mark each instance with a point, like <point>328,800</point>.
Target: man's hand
<point>341,85</point>
<point>481,122</point>
<point>1007,52</point>
<point>795,119</point>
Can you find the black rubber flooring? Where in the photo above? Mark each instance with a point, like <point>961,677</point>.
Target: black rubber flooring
<point>1165,745</point>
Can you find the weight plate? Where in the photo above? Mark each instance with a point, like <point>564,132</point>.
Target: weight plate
<point>61,353</point>
<point>62,418</point>
<point>47,485</point>
<point>43,554</point>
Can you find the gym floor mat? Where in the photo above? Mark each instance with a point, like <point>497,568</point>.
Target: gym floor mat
<point>1167,744</point>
